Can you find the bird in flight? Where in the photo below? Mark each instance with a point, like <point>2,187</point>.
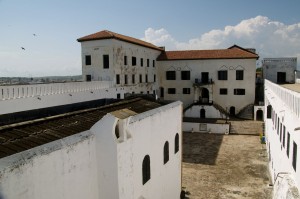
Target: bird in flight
<point>22,48</point>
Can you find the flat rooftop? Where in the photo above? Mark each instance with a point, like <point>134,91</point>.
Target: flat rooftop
<point>19,137</point>
<point>293,87</point>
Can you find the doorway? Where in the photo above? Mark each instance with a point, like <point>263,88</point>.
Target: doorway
<point>204,96</point>
<point>232,111</point>
<point>204,77</point>
<point>259,115</point>
<point>88,78</point>
<point>161,92</point>
<point>281,77</point>
<point>202,113</point>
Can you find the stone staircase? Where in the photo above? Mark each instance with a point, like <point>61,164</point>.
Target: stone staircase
<point>246,127</point>
<point>247,112</point>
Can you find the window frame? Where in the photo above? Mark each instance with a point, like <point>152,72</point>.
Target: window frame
<point>133,61</point>
<point>88,60</point>
<point>166,152</point>
<point>171,75</point>
<point>105,61</point>
<point>146,169</point>
<point>171,91</point>
<point>239,91</point>
<point>221,91</point>
<point>223,75</point>
<point>185,75</point>
<point>186,91</point>
<point>239,74</point>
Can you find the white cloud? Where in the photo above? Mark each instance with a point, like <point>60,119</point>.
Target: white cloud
<point>270,38</point>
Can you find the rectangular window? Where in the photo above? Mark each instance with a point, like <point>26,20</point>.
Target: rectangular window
<point>239,75</point>
<point>118,79</point>
<point>283,139</point>
<point>222,75</point>
<point>288,145</point>
<point>154,78</point>
<point>88,78</point>
<point>141,78</point>
<point>280,135</point>
<point>223,91</point>
<point>153,63</point>
<point>133,61</point>
<point>186,91</point>
<point>142,62</point>
<point>118,96</point>
<point>185,75</point>
<point>146,78</point>
<point>125,60</point>
<point>88,60</point>
<point>239,91</point>
<point>171,90</point>
<point>171,75</point>
<point>105,61</point>
<point>133,79</point>
<point>294,156</point>
<point>125,79</point>
<point>147,62</point>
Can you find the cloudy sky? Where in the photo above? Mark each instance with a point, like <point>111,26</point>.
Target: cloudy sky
<point>48,29</point>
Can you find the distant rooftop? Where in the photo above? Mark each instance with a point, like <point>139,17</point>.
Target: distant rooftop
<point>293,87</point>
<point>105,34</point>
<point>19,137</point>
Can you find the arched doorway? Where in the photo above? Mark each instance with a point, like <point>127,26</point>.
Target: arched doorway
<point>202,113</point>
<point>232,111</point>
<point>204,98</point>
<point>259,115</point>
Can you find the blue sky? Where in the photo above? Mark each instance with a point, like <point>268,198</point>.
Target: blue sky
<point>272,27</point>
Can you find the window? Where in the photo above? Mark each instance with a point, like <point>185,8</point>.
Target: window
<point>239,91</point>
<point>171,90</point>
<point>222,75</point>
<point>133,61</point>
<point>153,63</point>
<point>294,156</point>
<point>146,172</point>
<point>166,152</point>
<point>118,79</point>
<point>125,60</point>
<point>269,111</point>
<point>176,143</point>
<point>288,145</point>
<point>283,139</point>
<point>154,78</point>
<point>146,78</point>
<point>280,136</point>
<point>223,91</point>
<point>141,78</point>
<point>125,79</point>
<point>147,62</point>
<point>133,79</point>
<point>88,78</point>
<point>142,62</point>
<point>185,75</point>
<point>171,75</point>
<point>239,74</point>
<point>118,96</point>
<point>105,61</point>
<point>186,91</point>
<point>88,60</point>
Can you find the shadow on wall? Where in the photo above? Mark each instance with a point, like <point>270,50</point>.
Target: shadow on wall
<point>200,148</point>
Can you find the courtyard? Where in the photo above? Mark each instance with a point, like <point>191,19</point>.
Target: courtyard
<point>224,166</point>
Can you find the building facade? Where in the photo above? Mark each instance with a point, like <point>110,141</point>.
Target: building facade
<point>282,125</point>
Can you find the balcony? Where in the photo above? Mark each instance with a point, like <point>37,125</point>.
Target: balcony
<point>203,82</point>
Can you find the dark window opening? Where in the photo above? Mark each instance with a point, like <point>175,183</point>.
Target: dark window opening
<point>288,145</point>
<point>88,78</point>
<point>105,61</point>
<point>118,79</point>
<point>281,77</point>
<point>146,78</point>
<point>88,60</point>
<point>171,75</point>
<point>269,111</point>
<point>186,91</point>
<point>125,60</point>
<point>171,90</point>
<point>280,136</point>
<point>148,62</point>
<point>176,143</point>
<point>239,75</point>
<point>162,92</point>
<point>153,63</point>
<point>223,91</point>
<point>222,75</point>
<point>202,113</point>
<point>204,77</point>
<point>185,75</point>
<point>133,61</point>
<point>141,78</point>
<point>146,171</point>
<point>118,96</point>
<point>133,79</point>
<point>294,156</point>
<point>142,62</point>
<point>117,133</point>
<point>166,152</point>
<point>232,110</point>
<point>239,91</point>
<point>154,78</point>
<point>125,78</point>
<point>283,139</point>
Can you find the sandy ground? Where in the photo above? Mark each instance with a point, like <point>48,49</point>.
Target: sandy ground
<point>224,166</point>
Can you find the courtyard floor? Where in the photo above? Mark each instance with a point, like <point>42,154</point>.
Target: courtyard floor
<point>224,166</point>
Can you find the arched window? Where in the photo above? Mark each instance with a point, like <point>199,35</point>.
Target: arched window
<point>166,152</point>
<point>176,143</point>
<point>146,169</point>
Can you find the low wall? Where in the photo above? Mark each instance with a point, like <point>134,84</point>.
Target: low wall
<point>206,127</point>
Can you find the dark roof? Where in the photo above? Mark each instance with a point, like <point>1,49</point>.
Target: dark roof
<point>234,52</point>
<point>105,34</point>
<point>22,136</point>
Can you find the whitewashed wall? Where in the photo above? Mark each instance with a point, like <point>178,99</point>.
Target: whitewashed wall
<point>210,112</point>
<point>285,104</point>
<point>64,169</point>
<point>140,135</point>
<point>211,66</point>
<point>210,128</point>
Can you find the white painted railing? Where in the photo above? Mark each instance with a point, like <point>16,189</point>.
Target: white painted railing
<point>25,91</point>
<point>290,98</point>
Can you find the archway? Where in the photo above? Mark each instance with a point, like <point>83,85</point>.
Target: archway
<point>259,115</point>
<point>204,95</point>
<point>232,111</point>
<point>202,113</point>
